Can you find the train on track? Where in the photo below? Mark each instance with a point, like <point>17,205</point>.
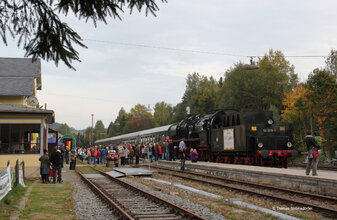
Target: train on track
<point>225,136</point>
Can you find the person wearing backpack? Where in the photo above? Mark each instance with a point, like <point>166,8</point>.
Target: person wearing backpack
<point>313,154</point>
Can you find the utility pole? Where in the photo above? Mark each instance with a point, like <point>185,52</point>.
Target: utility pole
<point>92,130</point>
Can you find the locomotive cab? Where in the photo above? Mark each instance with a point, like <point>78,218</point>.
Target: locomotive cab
<point>250,137</point>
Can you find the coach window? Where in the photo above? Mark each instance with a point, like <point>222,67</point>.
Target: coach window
<point>233,120</point>
<point>238,120</point>
<point>228,122</point>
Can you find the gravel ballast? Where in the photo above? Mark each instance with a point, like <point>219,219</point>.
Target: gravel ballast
<point>87,205</point>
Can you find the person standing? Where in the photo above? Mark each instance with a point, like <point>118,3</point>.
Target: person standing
<point>182,155</point>
<point>170,150</point>
<point>132,154</point>
<point>72,156</point>
<point>123,156</point>
<point>88,155</point>
<point>156,151</point>
<point>66,154</point>
<point>45,165</point>
<point>313,155</point>
<point>137,153</point>
<point>56,160</point>
<point>164,149</point>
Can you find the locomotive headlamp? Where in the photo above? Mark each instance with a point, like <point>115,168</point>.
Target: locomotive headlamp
<point>270,121</point>
<point>254,128</point>
<point>260,144</point>
<point>289,144</point>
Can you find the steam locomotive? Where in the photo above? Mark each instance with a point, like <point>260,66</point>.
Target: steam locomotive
<point>225,136</point>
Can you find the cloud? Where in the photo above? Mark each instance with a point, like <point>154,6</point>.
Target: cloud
<point>113,75</point>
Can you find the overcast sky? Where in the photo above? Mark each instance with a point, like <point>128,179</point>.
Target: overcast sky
<point>115,73</point>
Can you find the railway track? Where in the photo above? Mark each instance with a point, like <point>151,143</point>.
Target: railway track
<point>323,204</point>
<point>129,202</point>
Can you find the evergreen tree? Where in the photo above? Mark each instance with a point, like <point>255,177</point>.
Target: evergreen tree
<point>42,32</point>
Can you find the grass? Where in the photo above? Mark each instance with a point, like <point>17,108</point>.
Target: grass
<point>10,202</point>
<point>50,201</point>
<point>88,169</point>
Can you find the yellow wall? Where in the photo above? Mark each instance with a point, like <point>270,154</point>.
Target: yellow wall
<point>32,163</point>
<point>19,100</point>
<point>31,160</point>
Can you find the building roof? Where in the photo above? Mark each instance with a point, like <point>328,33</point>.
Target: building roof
<point>16,72</point>
<point>20,67</point>
<point>10,108</point>
<point>14,86</point>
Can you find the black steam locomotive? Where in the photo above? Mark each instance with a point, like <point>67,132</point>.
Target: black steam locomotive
<point>225,136</point>
<point>230,136</point>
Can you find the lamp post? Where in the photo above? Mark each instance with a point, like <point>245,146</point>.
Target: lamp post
<point>92,130</point>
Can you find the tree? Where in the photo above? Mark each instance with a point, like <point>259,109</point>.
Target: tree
<point>242,90</point>
<point>80,140</point>
<point>140,111</point>
<point>331,62</point>
<point>113,129</point>
<point>141,118</point>
<point>88,136</point>
<point>297,112</point>
<point>141,124</point>
<point>44,35</point>
<point>64,129</point>
<point>121,121</point>
<point>258,89</point>
<point>179,112</point>
<point>99,130</point>
<point>162,114</point>
<point>322,97</point>
<point>201,93</point>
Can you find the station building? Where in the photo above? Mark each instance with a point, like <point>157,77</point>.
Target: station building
<point>24,125</point>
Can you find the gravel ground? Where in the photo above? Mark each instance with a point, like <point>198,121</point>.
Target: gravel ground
<point>87,204</point>
<point>196,208</point>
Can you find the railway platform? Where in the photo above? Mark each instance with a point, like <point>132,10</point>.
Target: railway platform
<point>291,178</point>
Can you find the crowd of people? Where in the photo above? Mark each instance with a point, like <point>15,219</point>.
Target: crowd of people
<point>127,154</point>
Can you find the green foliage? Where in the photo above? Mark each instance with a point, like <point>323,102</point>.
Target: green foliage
<point>179,112</point>
<point>89,136</point>
<point>9,203</point>
<point>322,96</point>
<point>64,129</point>
<point>162,114</point>
<point>43,34</point>
<point>331,62</point>
<point>276,113</point>
<point>201,93</point>
<point>297,112</point>
<point>121,120</point>
<point>80,140</point>
<point>113,129</point>
<point>258,89</point>
<point>140,111</point>
<point>242,90</point>
<point>99,130</point>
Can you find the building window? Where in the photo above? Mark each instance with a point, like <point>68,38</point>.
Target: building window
<point>19,138</point>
